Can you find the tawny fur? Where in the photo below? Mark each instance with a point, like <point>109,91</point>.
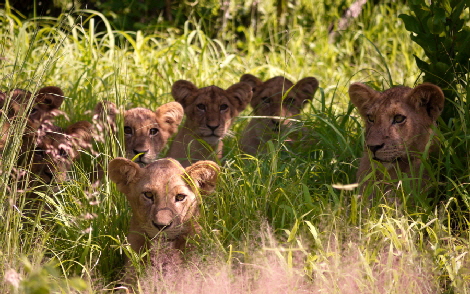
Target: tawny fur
<point>209,114</point>
<point>146,132</point>
<point>15,105</point>
<point>164,198</point>
<point>278,99</point>
<point>57,149</point>
<point>398,126</point>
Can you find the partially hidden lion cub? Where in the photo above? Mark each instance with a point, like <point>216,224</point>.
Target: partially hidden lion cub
<point>278,99</point>
<point>17,104</point>
<point>164,198</point>
<point>146,132</point>
<point>209,114</point>
<point>398,125</point>
<point>57,149</point>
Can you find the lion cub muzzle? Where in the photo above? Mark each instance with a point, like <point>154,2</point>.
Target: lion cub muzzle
<point>164,219</point>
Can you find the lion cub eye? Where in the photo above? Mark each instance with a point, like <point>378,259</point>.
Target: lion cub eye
<point>397,119</point>
<point>223,107</point>
<point>62,152</point>
<point>148,195</point>
<point>201,106</point>
<point>180,197</point>
<point>11,113</point>
<point>370,118</point>
<point>153,131</point>
<point>33,111</point>
<point>39,153</point>
<point>266,100</point>
<point>128,130</point>
<point>289,101</point>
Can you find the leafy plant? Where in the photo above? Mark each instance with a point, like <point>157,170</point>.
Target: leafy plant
<point>440,29</point>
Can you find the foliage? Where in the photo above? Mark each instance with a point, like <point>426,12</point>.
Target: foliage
<point>441,29</point>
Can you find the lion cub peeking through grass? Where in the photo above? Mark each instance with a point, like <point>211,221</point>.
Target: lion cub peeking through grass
<point>398,126</point>
<point>146,132</point>
<point>17,104</point>
<point>278,99</point>
<point>209,114</point>
<point>164,198</point>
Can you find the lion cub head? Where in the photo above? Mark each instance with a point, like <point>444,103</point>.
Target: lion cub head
<point>46,101</point>
<point>14,105</point>
<point>56,150</point>
<point>278,99</point>
<point>210,110</point>
<point>146,132</point>
<point>164,196</point>
<point>398,122</point>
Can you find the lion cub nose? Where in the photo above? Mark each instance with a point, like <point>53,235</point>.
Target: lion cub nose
<point>374,148</point>
<point>212,128</point>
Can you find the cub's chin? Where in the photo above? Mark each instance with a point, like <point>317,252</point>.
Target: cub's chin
<point>212,140</point>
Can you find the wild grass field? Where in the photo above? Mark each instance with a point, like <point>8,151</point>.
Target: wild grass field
<point>284,222</point>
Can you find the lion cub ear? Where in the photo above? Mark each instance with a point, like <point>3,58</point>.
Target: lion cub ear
<point>305,88</point>
<point>361,95</point>
<point>251,80</point>
<point>430,97</point>
<point>123,171</point>
<point>182,90</point>
<point>105,109</point>
<point>242,94</point>
<point>170,114</point>
<point>51,97</point>
<point>204,173</point>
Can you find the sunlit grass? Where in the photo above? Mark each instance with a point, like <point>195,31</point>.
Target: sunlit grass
<point>275,215</point>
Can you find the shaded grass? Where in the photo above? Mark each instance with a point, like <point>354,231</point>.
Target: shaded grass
<point>275,215</point>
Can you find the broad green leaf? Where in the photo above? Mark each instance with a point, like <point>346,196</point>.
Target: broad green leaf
<point>411,23</point>
<point>437,22</point>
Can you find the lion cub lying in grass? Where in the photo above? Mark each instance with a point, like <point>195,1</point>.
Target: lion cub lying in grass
<point>164,198</point>
<point>268,100</point>
<point>209,115</point>
<point>398,125</point>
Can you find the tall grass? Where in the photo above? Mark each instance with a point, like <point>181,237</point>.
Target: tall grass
<point>275,223</point>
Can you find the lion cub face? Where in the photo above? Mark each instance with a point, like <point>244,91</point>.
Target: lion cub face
<point>279,98</point>
<point>14,105</point>
<point>146,132</point>
<point>56,150</point>
<point>46,101</point>
<point>397,121</point>
<point>163,196</point>
<point>210,110</point>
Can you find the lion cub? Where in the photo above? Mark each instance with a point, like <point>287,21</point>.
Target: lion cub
<point>164,198</point>
<point>14,105</point>
<point>209,114</point>
<point>57,149</point>
<point>146,132</point>
<point>398,125</point>
<point>268,100</point>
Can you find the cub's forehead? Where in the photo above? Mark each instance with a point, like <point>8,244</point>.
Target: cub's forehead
<point>278,83</point>
<point>211,94</point>
<point>276,86</point>
<point>139,114</point>
<point>393,100</point>
<point>164,172</point>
